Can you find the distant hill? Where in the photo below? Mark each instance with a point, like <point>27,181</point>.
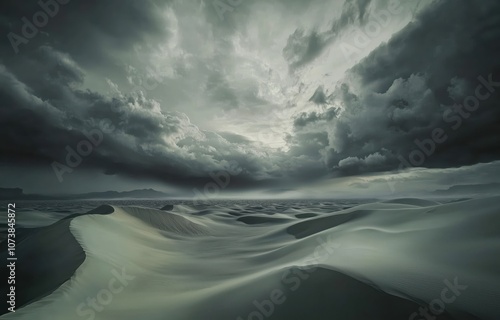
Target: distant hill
<point>9,194</point>
<point>18,194</point>
<point>142,193</point>
<point>470,189</point>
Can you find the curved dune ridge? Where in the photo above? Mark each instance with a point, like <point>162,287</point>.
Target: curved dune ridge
<point>413,202</point>
<point>381,260</point>
<point>168,221</point>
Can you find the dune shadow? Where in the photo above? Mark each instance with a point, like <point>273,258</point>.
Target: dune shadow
<point>251,220</point>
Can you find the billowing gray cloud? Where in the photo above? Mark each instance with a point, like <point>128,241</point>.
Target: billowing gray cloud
<point>39,124</point>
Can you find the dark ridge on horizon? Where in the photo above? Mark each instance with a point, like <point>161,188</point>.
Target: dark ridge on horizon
<point>12,194</point>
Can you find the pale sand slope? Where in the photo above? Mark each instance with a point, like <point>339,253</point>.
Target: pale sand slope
<point>376,261</point>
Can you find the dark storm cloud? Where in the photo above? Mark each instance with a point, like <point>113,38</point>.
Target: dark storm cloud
<point>28,124</point>
<point>138,139</point>
<point>462,45</point>
<point>91,31</point>
<point>45,111</point>
<point>406,88</point>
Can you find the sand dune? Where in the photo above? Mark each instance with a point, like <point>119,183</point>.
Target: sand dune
<point>380,260</point>
<point>168,221</point>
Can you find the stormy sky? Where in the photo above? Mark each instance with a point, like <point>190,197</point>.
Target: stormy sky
<point>260,97</point>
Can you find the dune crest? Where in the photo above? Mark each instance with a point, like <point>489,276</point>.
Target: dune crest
<point>167,221</point>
